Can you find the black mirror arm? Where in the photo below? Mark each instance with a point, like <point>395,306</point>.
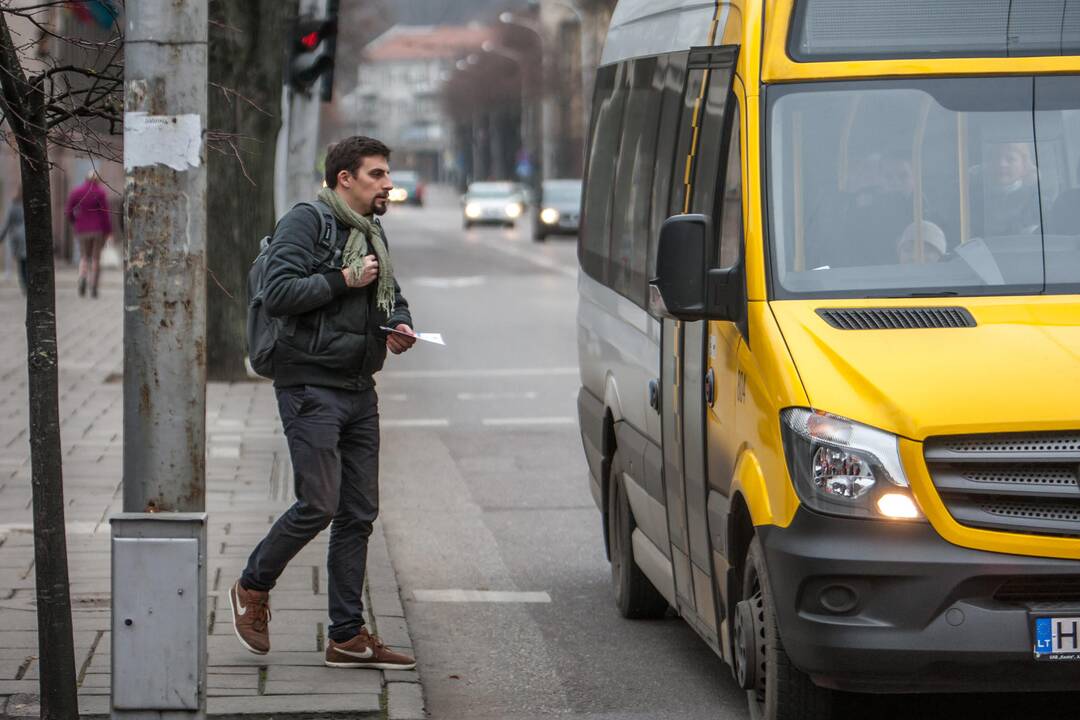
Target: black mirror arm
<point>726,294</point>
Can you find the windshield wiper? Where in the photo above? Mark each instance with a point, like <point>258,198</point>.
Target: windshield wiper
<point>941,293</point>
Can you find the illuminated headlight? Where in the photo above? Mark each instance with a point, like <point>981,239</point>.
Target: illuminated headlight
<point>845,468</point>
<point>513,210</point>
<point>399,195</point>
<point>472,211</point>
<point>549,216</point>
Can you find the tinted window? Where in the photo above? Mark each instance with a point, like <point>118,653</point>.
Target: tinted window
<point>833,29</point>
<point>671,73</point>
<point>608,101</point>
<point>633,187</point>
<point>710,151</point>
<point>731,212</point>
<point>680,170</point>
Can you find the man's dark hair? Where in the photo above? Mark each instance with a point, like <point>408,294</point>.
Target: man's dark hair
<point>349,155</point>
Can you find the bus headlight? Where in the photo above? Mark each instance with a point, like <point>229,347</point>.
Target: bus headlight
<point>513,210</point>
<point>841,467</point>
<point>398,194</point>
<point>472,211</point>
<point>549,216</point>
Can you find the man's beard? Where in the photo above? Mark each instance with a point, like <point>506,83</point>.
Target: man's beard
<point>380,209</point>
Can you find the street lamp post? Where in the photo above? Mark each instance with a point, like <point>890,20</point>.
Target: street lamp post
<point>588,58</point>
<point>529,98</point>
<point>538,140</point>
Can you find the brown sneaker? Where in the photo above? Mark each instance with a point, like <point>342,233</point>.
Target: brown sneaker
<point>366,651</point>
<point>251,618</point>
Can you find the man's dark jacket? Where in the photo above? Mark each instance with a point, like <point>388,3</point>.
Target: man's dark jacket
<point>332,336</point>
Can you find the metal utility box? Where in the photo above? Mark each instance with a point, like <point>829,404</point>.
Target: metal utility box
<point>158,613</point>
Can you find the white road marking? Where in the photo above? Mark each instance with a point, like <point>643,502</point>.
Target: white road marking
<point>449,283</point>
<point>415,423</point>
<point>486,596</point>
<point>495,422</point>
<point>478,373</point>
<point>497,396</point>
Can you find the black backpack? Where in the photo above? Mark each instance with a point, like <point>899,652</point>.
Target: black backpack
<point>262,329</point>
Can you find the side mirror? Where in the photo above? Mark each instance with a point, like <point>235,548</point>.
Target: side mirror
<point>684,287</point>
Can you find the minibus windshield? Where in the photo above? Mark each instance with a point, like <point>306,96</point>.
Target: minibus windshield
<point>952,186</point>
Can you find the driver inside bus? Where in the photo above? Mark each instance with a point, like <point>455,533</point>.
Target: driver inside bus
<point>1012,194</point>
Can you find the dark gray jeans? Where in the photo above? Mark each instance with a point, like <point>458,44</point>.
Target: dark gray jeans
<point>333,438</point>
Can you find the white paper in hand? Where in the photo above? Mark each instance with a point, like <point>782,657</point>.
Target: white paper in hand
<point>435,338</point>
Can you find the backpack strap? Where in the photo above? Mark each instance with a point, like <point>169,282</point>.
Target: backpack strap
<point>327,239</point>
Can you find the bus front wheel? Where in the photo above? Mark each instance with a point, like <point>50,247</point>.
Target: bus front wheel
<point>775,689</point>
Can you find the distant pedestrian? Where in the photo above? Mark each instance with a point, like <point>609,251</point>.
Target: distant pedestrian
<point>335,304</point>
<point>87,210</point>
<point>15,231</point>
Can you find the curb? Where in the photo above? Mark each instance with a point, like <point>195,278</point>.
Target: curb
<point>402,696</point>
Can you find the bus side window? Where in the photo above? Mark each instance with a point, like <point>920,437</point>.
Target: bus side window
<point>595,235</point>
<point>731,216</point>
<point>670,77</point>
<point>633,183</point>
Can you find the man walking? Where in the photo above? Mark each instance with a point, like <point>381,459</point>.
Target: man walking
<point>334,300</point>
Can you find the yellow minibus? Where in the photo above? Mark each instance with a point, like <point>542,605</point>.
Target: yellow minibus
<point>829,338</point>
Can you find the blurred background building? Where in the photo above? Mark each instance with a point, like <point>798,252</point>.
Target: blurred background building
<point>398,93</point>
<point>467,90</point>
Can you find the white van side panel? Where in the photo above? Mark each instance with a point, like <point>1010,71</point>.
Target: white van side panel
<point>619,353</point>
<point>650,27</point>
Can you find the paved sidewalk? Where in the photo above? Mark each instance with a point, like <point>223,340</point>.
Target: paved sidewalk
<point>249,482</point>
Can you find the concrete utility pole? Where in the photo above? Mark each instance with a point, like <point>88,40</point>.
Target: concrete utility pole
<point>159,541</point>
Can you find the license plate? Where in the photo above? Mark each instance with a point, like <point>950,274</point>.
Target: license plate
<point>1057,638</point>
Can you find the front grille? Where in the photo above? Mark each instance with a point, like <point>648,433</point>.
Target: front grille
<point>1035,589</point>
<point>884,318</point>
<point>1027,483</point>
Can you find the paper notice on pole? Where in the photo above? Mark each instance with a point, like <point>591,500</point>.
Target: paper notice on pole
<point>435,338</point>
<point>172,140</point>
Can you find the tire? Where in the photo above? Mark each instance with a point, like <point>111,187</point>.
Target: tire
<point>539,237</point>
<point>466,225</point>
<point>635,595</point>
<point>782,691</point>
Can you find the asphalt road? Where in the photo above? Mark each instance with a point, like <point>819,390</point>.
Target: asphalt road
<point>484,491</point>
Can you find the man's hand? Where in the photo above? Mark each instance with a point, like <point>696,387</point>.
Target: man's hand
<point>398,344</point>
<point>367,275</point>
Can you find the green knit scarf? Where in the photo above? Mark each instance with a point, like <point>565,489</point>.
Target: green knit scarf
<point>364,234</point>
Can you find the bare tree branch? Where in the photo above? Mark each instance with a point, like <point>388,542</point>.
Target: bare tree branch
<point>229,91</point>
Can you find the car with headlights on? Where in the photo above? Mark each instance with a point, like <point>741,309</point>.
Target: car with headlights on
<point>559,209</point>
<point>408,188</point>
<point>493,203</point>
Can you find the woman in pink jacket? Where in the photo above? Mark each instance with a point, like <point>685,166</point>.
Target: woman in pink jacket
<point>88,212</point>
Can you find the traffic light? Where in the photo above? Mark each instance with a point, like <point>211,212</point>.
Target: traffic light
<point>312,56</point>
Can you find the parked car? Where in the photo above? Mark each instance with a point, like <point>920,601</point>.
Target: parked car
<point>493,203</point>
<point>408,188</point>
<point>559,209</point>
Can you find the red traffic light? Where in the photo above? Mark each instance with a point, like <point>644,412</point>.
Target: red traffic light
<point>310,41</point>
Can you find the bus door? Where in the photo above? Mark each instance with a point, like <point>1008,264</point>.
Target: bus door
<point>685,347</point>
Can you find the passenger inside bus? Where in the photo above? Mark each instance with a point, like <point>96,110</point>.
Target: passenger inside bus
<point>931,239</point>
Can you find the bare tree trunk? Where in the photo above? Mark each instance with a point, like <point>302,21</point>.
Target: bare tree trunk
<point>23,105</point>
<point>247,68</point>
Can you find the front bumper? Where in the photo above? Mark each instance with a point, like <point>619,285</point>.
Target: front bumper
<point>869,605</point>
